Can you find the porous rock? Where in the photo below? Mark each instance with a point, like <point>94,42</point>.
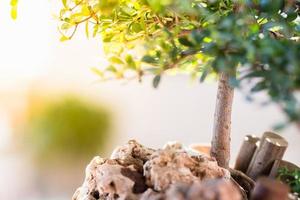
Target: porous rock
<point>110,179</point>
<point>174,165</point>
<point>214,189</point>
<point>150,194</point>
<point>88,190</point>
<point>133,153</point>
<point>135,172</point>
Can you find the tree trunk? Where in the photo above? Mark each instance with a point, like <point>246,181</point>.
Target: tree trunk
<point>220,145</point>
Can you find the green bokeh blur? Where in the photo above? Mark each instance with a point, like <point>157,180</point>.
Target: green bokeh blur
<point>69,128</point>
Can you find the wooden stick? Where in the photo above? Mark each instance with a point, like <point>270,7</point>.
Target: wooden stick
<point>246,153</point>
<point>271,148</point>
<point>269,189</point>
<point>279,164</point>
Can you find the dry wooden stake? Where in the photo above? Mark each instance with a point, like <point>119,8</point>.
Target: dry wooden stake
<point>272,147</point>
<point>246,153</point>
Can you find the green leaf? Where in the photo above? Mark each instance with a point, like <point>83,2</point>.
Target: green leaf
<point>87,32</point>
<point>156,81</point>
<point>130,62</point>
<point>136,27</point>
<point>255,74</point>
<point>291,16</point>
<point>64,38</point>
<point>259,87</point>
<point>234,82</point>
<point>184,41</point>
<point>64,2</point>
<point>65,26</point>
<point>197,36</point>
<point>116,60</point>
<point>204,74</point>
<point>95,31</point>
<point>97,71</point>
<point>112,69</point>
<point>149,59</point>
<point>14,3</point>
<point>14,12</point>
<point>14,9</point>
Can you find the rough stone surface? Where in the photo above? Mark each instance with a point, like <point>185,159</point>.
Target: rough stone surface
<point>88,191</point>
<point>133,153</point>
<point>214,189</point>
<point>135,172</point>
<point>172,165</point>
<point>150,194</point>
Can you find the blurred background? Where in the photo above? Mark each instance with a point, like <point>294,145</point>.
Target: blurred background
<point>55,114</point>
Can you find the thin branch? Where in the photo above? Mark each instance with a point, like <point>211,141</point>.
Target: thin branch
<point>74,31</point>
<point>76,5</point>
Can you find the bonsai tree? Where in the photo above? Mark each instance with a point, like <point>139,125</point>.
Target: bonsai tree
<point>242,43</point>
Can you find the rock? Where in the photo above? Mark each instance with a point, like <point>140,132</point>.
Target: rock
<point>119,181</point>
<point>110,179</point>
<point>172,165</point>
<point>215,189</point>
<point>178,191</point>
<point>135,172</point>
<point>88,191</point>
<point>152,195</point>
<point>133,153</point>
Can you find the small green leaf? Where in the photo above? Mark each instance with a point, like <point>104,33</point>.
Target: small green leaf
<point>65,26</point>
<point>14,3</point>
<point>184,41</point>
<point>149,59</point>
<point>87,32</point>
<point>64,2</point>
<point>136,27</point>
<point>14,12</point>
<point>279,126</point>
<point>156,81</point>
<point>97,71</point>
<point>112,69</point>
<point>130,62</point>
<point>96,28</point>
<point>64,38</point>
<point>14,9</point>
<point>116,60</point>
<point>233,82</point>
<point>291,16</point>
<point>197,36</point>
<point>204,74</point>
<point>259,87</point>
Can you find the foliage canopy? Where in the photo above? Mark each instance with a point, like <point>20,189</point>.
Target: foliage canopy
<point>259,39</point>
<point>256,42</point>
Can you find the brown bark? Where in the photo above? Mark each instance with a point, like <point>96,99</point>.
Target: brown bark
<point>220,145</point>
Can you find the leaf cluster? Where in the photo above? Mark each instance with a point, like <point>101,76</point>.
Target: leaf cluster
<point>292,178</point>
<point>255,42</point>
